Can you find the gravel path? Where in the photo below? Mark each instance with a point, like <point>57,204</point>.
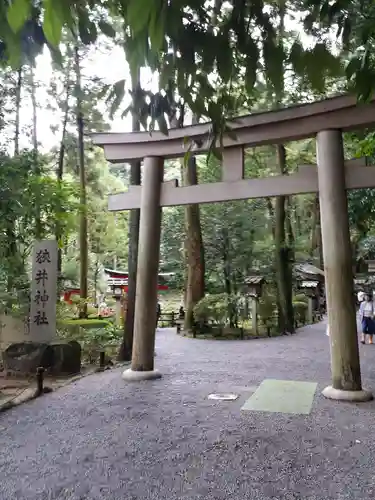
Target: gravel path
<point>100,438</point>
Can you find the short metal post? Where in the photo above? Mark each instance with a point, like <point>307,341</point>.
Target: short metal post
<point>101,359</point>
<point>40,380</point>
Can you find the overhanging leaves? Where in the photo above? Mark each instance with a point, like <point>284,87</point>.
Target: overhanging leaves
<point>18,13</point>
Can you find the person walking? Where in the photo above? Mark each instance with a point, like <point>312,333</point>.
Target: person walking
<point>366,316</point>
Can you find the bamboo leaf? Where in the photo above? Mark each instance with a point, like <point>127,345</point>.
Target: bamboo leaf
<point>251,64</point>
<point>53,22</point>
<point>107,29</point>
<point>117,92</point>
<point>224,61</point>
<point>87,30</point>
<point>138,14</point>
<point>18,13</point>
<point>162,123</point>
<point>157,29</point>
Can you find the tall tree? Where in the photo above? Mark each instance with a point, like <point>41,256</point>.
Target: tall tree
<point>125,353</point>
<point>34,136</point>
<point>283,255</point>
<point>194,249</point>
<point>12,250</point>
<point>61,155</point>
<point>83,243</point>
<point>283,250</point>
<point>18,94</point>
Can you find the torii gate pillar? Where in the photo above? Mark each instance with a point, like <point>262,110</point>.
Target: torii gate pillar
<point>345,365</point>
<point>142,366</point>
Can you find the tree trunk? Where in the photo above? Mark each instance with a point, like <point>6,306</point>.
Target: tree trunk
<point>38,221</point>
<point>18,111</point>
<point>193,244</point>
<point>83,246</point>
<point>125,352</point>
<point>227,275</point>
<point>194,248</point>
<point>283,251</point>
<point>34,108</point>
<point>60,172</point>
<point>283,260</point>
<point>316,237</point>
<point>271,215</point>
<point>96,277</point>
<point>289,230</point>
<point>12,250</point>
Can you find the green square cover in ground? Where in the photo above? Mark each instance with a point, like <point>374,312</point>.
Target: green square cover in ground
<point>282,396</point>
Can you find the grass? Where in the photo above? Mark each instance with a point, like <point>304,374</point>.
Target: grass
<point>85,323</point>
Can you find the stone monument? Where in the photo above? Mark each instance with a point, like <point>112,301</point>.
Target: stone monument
<point>43,292</point>
<point>38,345</point>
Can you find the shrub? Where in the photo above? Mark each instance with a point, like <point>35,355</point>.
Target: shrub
<point>212,307</point>
<point>300,297</point>
<point>85,323</point>
<point>92,311</point>
<point>300,310</point>
<point>93,339</point>
<point>267,306</point>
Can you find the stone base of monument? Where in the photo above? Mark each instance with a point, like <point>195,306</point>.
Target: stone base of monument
<point>135,376</point>
<point>353,396</point>
<point>67,357</point>
<point>58,358</point>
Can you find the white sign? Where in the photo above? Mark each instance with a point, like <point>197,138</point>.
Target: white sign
<point>43,292</point>
<point>309,284</point>
<point>117,281</point>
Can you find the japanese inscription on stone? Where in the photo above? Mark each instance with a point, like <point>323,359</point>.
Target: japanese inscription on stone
<point>43,292</point>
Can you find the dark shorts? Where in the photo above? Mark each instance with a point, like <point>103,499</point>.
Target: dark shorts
<point>368,326</point>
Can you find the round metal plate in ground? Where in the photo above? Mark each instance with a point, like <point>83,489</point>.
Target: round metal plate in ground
<point>223,397</point>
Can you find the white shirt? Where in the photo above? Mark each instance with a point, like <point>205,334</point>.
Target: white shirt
<point>360,296</point>
<point>367,309</point>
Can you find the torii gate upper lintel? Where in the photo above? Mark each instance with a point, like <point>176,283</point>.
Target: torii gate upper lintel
<point>324,120</point>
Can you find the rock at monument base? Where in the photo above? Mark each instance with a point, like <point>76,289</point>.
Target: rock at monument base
<point>26,357</point>
<point>67,357</point>
<point>58,358</point>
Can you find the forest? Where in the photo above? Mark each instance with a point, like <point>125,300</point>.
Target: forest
<point>179,63</point>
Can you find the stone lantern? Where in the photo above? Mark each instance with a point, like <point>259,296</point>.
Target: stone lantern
<point>253,288</point>
<point>310,289</point>
<point>117,294</point>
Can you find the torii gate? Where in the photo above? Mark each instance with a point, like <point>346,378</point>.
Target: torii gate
<point>324,120</point>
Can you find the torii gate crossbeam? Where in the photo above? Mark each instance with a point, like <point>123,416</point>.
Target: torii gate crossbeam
<point>357,176</point>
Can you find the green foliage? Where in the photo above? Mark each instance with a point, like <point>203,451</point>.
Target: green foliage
<point>267,306</point>
<point>361,203</point>
<point>94,339</point>
<point>27,192</point>
<point>178,40</point>
<point>353,21</point>
<point>213,308</point>
<point>18,13</point>
<point>300,311</point>
<point>300,297</point>
<point>85,323</point>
